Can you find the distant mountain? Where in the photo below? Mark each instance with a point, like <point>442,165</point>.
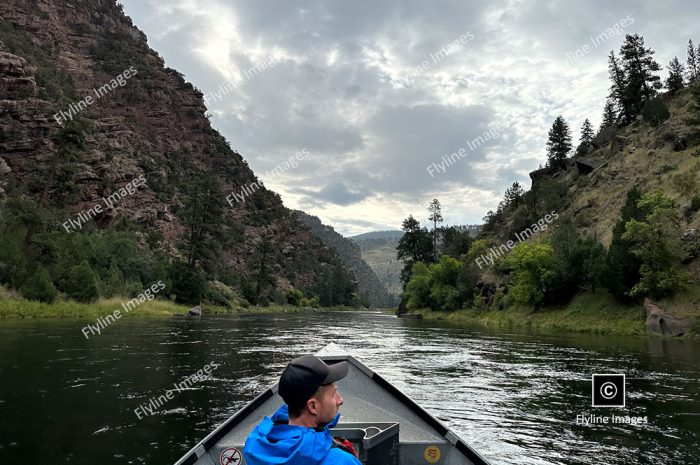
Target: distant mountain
<point>370,287</point>
<point>390,234</point>
<point>378,249</point>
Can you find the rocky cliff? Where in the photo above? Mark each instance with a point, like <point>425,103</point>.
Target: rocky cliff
<point>78,73</point>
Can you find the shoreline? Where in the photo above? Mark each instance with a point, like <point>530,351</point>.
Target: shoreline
<point>587,313</point>
<point>548,321</point>
<point>17,308</point>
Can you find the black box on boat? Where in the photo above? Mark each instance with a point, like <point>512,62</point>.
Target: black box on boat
<point>376,443</point>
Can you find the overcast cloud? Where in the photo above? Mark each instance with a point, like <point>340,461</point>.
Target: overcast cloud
<point>350,85</point>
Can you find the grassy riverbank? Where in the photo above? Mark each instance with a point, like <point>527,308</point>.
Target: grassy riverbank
<point>12,306</point>
<point>597,313</point>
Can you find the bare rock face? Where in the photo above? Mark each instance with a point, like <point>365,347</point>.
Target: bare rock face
<point>661,322</point>
<point>618,143</point>
<point>12,65</point>
<point>605,136</point>
<point>16,77</point>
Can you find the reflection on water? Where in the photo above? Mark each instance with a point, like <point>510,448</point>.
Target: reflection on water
<point>513,397</point>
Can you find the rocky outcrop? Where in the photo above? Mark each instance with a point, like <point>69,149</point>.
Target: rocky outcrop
<point>661,322</point>
<point>605,136</point>
<point>16,76</point>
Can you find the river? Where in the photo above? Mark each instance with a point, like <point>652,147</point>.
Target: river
<point>514,397</point>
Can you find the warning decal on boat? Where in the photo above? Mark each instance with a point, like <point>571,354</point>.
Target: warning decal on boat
<point>231,456</point>
<point>431,454</point>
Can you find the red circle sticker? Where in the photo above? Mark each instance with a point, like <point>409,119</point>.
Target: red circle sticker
<point>230,456</point>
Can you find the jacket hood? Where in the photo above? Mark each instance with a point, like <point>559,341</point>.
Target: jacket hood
<point>287,444</point>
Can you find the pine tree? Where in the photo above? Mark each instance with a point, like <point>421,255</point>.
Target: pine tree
<point>81,283</point>
<point>39,287</point>
<point>559,143</point>
<point>693,62</point>
<point>609,115</point>
<point>263,278</point>
<point>618,89</point>
<point>435,211</point>
<point>676,70</point>
<point>414,246</point>
<point>189,286</point>
<point>115,284</point>
<point>587,132</point>
<point>513,195</point>
<point>622,265</point>
<point>202,216</point>
<point>640,68</point>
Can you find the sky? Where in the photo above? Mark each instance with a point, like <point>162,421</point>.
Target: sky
<point>372,97</point>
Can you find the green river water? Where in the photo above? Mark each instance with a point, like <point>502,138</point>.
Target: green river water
<point>514,397</point>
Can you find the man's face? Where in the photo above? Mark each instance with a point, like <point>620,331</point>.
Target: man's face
<point>328,401</point>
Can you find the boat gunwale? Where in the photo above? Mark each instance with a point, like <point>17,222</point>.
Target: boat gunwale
<point>224,428</point>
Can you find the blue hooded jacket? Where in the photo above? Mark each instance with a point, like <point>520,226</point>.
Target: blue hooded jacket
<point>293,445</point>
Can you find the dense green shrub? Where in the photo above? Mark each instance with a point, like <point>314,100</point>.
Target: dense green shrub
<point>578,263</point>
<point>216,297</point>
<point>417,292</point>
<point>439,285</point>
<point>294,296</point>
<point>81,283</point>
<point>310,302</point>
<point>531,272</point>
<point>444,293</point>
<point>114,284</point>
<point>39,287</point>
<point>248,291</point>
<point>187,284</point>
<point>655,240</point>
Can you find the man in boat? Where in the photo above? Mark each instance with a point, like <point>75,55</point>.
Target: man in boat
<point>299,431</point>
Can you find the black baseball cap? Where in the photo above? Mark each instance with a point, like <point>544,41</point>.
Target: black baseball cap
<point>304,375</point>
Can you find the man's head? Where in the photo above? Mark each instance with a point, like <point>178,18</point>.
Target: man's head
<point>307,386</point>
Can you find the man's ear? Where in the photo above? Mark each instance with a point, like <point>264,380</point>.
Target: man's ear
<point>312,405</point>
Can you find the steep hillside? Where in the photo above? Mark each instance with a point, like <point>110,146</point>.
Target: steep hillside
<point>650,158</point>
<point>378,250</point>
<point>370,287</point>
<point>594,186</point>
<point>88,112</point>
